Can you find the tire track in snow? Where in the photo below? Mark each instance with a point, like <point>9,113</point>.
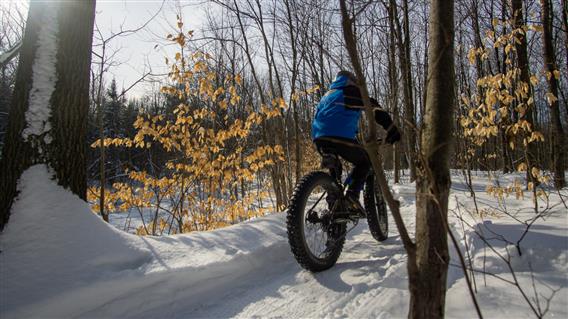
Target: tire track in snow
<point>247,280</point>
<point>367,270</point>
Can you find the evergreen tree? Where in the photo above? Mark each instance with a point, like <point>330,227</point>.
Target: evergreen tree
<point>113,108</point>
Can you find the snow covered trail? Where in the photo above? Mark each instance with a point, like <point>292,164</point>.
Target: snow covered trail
<point>241,271</point>
<point>263,282</point>
<point>347,290</point>
<point>59,260</point>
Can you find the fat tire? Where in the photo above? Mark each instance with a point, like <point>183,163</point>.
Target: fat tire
<point>295,223</point>
<point>376,209</point>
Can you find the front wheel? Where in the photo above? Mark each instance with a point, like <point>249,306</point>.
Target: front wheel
<point>376,208</point>
<point>316,241</point>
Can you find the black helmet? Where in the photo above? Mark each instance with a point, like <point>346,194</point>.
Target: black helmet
<point>351,79</point>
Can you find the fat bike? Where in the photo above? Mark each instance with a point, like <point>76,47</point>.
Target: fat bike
<point>319,215</point>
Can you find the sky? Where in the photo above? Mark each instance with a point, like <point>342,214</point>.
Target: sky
<point>144,50</point>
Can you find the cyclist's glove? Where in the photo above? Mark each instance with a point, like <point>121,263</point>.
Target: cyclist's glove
<point>393,135</point>
<point>384,119</point>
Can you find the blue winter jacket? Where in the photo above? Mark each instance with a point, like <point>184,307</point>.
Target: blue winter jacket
<point>338,112</point>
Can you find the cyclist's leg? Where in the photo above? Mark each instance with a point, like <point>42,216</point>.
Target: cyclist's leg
<point>329,147</point>
<point>356,155</point>
<point>353,152</point>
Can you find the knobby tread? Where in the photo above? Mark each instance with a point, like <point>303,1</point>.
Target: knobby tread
<point>294,224</point>
<point>371,188</point>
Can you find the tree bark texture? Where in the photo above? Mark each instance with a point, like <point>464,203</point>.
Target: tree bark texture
<point>428,276</point>
<point>565,26</point>
<point>69,103</point>
<point>17,155</point>
<point>393,87</point>
<point>523,65</point>
<point>550,66</point>
<point>406,71</point>
<point>410,107</point>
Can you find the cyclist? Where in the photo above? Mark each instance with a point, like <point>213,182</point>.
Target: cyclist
<point>334,131</point>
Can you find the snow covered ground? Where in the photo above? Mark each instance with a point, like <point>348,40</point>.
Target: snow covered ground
<point>60,260</point>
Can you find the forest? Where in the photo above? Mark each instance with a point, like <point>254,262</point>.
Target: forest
<point>257,57</point>
<point>222,132</point>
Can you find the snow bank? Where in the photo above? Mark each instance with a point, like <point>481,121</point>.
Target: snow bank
<point>59,260</point>
<point>540,269</point>
<point>54,242</point>
<point>55,251</point>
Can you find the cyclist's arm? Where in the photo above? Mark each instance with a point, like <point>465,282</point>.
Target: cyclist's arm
<point>352,98</point>
<point>384,119</point>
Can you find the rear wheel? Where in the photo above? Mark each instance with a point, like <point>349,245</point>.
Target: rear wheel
<point>376,208</point>
<point>316,241</point>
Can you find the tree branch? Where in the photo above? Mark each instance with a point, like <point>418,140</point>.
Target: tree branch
<point>7,56</point>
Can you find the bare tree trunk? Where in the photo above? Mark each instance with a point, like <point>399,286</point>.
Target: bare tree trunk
<point>406,70</point>
<point>523,65</point>
<point>428,259</point>
<point>565,25</point>
<point>295,65</point>
<point>70,101</point>
<point>393,86</point>
<point>428,276</point>
<point>101,127</point>
<point>410,107</point>
<point>478,43</point>
<point>17,154</point>
<point>281,173</point>
<point>277,181</point>
<point>372,146</point>
<point>550,63</point>
<point>64,150</point>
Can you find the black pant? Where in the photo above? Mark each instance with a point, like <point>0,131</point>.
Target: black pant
<point>351,151</point>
